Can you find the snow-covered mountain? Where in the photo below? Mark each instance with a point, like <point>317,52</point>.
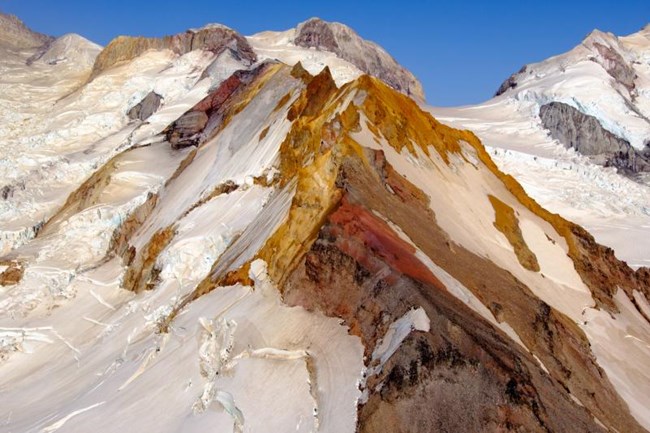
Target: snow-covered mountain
<point>574,130</point>
<point>200,232</point>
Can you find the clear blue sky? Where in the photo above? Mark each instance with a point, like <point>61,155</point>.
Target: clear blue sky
<point>460,50</point>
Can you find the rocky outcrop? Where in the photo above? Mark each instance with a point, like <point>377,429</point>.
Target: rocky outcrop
<point>187,129</point>
<point>616,66</point>
<point>210,114</point>
<point>337,254</point>
<point>585,134</point>
<point>510,83</point>
<point>365,55</point>
<point>317,33</point>
<point>214,38</point>
<point>145,108</point>
<point>15,35</point>
<point>12,274</point>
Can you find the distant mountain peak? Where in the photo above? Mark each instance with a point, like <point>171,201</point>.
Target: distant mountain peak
<point>341,48</point>
<point>16,35</point>
<point>67,47</point>
<point>368,56</point>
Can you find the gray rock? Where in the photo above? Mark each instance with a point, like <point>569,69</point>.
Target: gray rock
<point>186,131</point>
<point>318,34</point>
<point>586,135</point>
<point>145,108</point>
<point>369,57</point>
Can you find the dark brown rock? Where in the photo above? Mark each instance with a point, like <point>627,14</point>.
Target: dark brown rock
<point>212,112</point>
<point>510,83</point>
<point>186,130</point>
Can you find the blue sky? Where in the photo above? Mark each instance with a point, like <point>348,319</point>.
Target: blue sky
<point>461,51</point>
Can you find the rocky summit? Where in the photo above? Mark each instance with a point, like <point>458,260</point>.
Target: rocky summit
<point>273,233</point>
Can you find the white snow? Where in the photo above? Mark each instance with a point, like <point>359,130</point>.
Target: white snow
<point>621,344</point>
<point>237,359</point>
<point>59,138</point>
<point>279,45</point>
<point>79,353</point>
<point>413,320</point>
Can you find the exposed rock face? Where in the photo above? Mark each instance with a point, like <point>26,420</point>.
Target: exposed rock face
<point>145,108</point>
<point>12,274</point>
<point>317,33</point>
<point>187,128</point>
<point>337,255</point>
<point>462,375</point>
<point>585,134</point>
<point>616,66</point>
<point>15,35</point>
<point>213,38</point>
<point>510,83</point>
<point>367,56</point>
<point>206,117</point>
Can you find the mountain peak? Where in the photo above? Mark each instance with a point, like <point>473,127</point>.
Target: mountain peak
<point>211,26</point>
<point>16,35</point>
<point>359,56</point>
<point>69,47</point>
<point>247,245</point>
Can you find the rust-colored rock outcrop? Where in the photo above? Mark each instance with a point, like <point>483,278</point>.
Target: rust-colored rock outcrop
<point>12,274</point>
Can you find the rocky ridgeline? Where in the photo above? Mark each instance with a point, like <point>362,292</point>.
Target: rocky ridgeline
<point>214,38</point>
<point>15,35</point>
